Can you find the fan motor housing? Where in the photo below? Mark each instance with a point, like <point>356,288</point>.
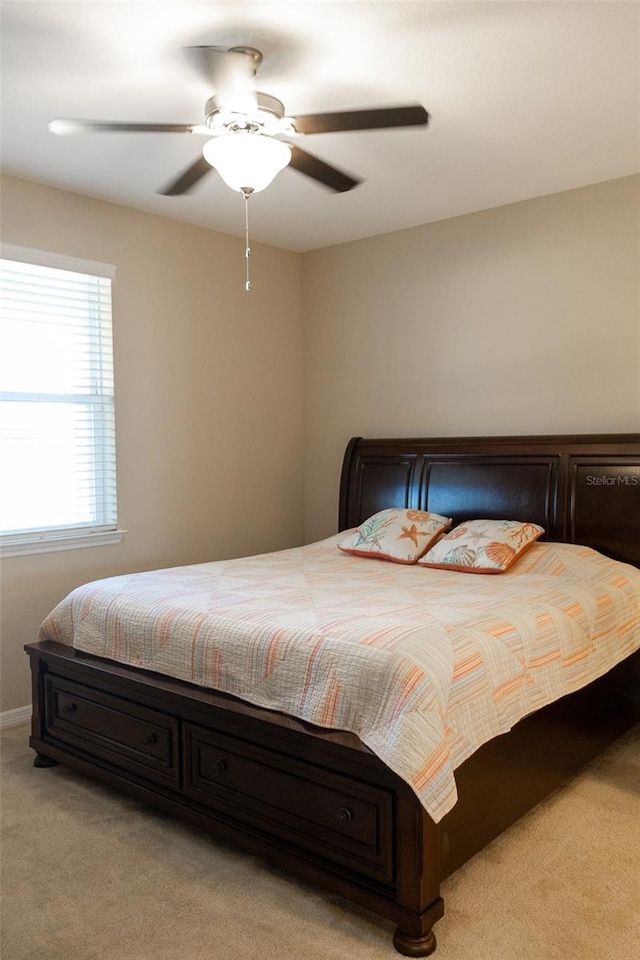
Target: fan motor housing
<point>265,102</point>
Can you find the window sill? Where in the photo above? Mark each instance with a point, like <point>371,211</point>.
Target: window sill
<point>20,548</point>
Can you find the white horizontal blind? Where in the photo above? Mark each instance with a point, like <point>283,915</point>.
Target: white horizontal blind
<point>57,433</point>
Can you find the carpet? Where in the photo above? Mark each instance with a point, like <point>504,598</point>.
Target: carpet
<point>88,874</point>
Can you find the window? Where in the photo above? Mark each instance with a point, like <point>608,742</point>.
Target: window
<point>57,433</point>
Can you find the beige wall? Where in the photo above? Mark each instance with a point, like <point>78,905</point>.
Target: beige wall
<point>522,319</point>
<point>209,400</point>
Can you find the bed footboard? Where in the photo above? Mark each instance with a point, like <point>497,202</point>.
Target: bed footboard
<point>316,803</point>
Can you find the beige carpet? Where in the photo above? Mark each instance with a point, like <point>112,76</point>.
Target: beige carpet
<point>90,875</point>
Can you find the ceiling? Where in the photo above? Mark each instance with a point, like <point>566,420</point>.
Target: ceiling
<point>525,98</point>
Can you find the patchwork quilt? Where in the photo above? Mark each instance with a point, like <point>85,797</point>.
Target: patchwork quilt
<point>423,665</point>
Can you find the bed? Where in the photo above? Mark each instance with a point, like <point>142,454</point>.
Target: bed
<point>312,796</point>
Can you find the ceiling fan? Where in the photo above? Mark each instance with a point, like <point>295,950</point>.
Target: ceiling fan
<point>245,128</point>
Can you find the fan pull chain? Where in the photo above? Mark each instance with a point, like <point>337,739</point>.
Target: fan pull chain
<point>247,248</point>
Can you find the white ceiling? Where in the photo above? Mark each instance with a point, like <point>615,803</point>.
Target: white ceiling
<point>526,99</point>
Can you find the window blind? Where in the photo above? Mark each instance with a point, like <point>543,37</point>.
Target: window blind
<point>57,431</point>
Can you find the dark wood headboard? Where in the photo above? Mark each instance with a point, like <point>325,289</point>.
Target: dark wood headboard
<point>581,489</point>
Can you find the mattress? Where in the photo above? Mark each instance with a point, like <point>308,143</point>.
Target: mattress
<point>423,665</point>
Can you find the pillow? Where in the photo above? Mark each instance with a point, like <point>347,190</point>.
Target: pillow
<point>395,534</point>
<point>483,546</point>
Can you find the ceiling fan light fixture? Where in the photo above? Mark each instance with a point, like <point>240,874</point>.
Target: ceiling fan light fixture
<point>247,161</point>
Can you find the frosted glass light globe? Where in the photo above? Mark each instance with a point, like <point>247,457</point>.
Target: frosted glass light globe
<point>247,161</point>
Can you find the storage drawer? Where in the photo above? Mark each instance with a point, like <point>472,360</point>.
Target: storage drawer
<point>116,730</point>
<point>345,821</point>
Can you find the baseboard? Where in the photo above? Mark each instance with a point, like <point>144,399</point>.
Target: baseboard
<point>12,718</point>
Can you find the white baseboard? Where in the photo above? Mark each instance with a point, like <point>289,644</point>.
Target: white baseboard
<point>12,718</point>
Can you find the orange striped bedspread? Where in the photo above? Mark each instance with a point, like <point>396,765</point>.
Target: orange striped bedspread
<point>423,665</point>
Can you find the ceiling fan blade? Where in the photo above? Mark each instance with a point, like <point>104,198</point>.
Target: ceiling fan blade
<point>374,119</point>
<point>187,179</point>
<point>64,127</point>
<point>231,73</point>
<point>323,172</point>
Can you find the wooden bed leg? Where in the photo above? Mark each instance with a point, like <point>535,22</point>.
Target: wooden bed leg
<point>411,946</point>
<point>418,939</point>
<point>40,760</point>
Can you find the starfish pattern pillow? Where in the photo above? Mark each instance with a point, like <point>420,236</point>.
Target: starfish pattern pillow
<point>395,534</point>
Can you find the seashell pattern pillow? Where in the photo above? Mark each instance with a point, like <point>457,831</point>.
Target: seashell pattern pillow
<point>482,546</point>
<point>401,536</point>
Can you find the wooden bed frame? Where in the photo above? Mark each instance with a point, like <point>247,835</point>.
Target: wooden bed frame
<point>318,802</point>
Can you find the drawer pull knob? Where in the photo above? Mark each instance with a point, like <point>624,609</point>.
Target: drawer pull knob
<point>151,739</point>
<point>344,815</point>
<point>219,766</point>
<point>70,707</point>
